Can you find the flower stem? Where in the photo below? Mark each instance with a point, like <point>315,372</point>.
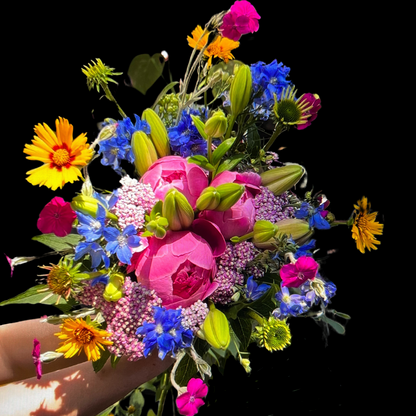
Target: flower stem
<point>164,392</point>
<point>256,316</point>
<point>110,96</point>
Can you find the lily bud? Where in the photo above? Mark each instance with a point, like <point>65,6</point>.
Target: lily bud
<point>230,193</point>
<point>240,90</point>
<point>144,152</point>
<point>177,210</point>
<point>209,199</point>
<point>263,231</point>
<point>89,206</point>
<point>216,329</point>
<point>279,180</point>
<point>158,132</point>
<point>113,291</point>
<point>216,125</point>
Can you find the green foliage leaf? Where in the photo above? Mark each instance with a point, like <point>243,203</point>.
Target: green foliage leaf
<point>58,243</point>
<point>334,324</point>
<point>107,411</point>
<point>253,142</point>
<point>340,314</point>
<point>242,327</point>
<point>144,70</point>
<point>201,161</point>
<point>221,150</point>
<point>99,364</point>
<point>137,400</point>
<point>230,163</point>
<point>186,370</point>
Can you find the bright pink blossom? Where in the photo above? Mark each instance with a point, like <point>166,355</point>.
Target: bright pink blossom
<point>293,275</point>
<point>314,101</point>
<point>181,267</point>
<point>240,218</point>
<point>240,20</point>
<point>189,402</point>
<point>36,358</point>
<point>175,172</point>
<point>56,217</point>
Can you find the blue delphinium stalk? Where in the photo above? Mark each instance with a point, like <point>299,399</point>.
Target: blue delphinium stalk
<point>318,290</point>
<point>95,251</point>
<point>293,305</point>
<point>166,332</point>
<point>255,291</point>
<point>313,215</point>
<point>305,250</point>
<point>89,227</point>
<point>121,243</point>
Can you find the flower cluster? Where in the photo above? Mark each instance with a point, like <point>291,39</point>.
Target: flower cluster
<point>206,225</point>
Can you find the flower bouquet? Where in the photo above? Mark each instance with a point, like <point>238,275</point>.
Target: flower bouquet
<point>207,246</point>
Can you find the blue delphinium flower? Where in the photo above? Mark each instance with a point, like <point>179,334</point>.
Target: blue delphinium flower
<point>305,249</point>
<point>100,279</point>
<point>89,227</point>
<point>106,200</point>
<point>255,291</point>
<point>313,215</point>
<point>121,242</point>
<point>289,304</point>
<point>318,290</point>
<point>166,332</point>
<point>95,251</point>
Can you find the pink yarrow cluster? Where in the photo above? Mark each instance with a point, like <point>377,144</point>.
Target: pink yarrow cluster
<point>272,208</point>
<point>194,316</point>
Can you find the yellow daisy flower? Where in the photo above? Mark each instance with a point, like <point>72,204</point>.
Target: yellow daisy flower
<point>62,156</point>
<point>219,48</point>
<point>365,227</point>
<point>80,334</point>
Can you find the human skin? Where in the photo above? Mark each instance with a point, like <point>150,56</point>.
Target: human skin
<point>68,387</point>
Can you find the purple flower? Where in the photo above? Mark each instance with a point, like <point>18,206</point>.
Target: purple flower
<point>121,243</point>
<point>289,304</point>
<point>189,402</point>
<point>315,215</point>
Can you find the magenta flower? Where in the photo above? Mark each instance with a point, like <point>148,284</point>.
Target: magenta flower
<point>240,20</point>
<point>188,403</point>
<point>314,101</point>
<point>56,217</point>
<point>36,358</point>
<point>293,275</point>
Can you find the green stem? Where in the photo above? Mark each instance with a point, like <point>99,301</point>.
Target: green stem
<point>277,131</point>
<point>256,316</point>
<point>165,388</point>
<point>230,127</point>
<point>111,98</point>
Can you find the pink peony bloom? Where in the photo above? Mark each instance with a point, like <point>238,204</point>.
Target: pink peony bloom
<point>36,358</point>
<point>175,172</point>
<point>315,101</point>
<point>240,20</point>
<point>189,402</point>
<point>293,275</point>
<point>181,267</point>
<point>56,217</point>
<point>240,218</point>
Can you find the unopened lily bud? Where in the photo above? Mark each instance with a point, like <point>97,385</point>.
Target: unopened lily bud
<point>158,227</point>
<point>113,290</point>
<point>89,206</point>
<point>279,180</point>
<point>230,193</point>
<point>240,90</point>
<point>209,199</point>
<point>263,231</point>
<point>216,329</point>
<point>177,210</point>
<point>158,132</point>
<point>50,356</point>
<point>216,125</point>
<point>144,152</point>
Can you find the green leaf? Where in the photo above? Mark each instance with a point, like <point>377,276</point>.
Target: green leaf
<point>99,364</point>
<point>185,371</point>
<point>107,411</point>
<point>58,243</point>
<point>150,412</point>
<point>163,92</point>
<point>230,163</point>
<point>137,400</point>
<point>242,327</point>
<point>253,142</point>
<point>340,314</point>
<point>144,70</point>
<point>221,150</point>
<point>336,325</point>
<point>201,161</point>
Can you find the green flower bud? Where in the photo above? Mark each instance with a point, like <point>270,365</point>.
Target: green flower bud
<point>230,193</point>
<point>177,210</point>
<point>279,180</point>
<point>209,199</point>
<point>216,329</point>
<point>263,231</point>
<point>158,227</point>
<point>216,125</point>
<point>158,132</point>
<point>144,152</point>
<point>89,206</point>
<point>240,90</point>
<point>113,291</point>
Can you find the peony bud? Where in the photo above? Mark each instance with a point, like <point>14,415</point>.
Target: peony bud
<point>158,132</point>
<point>177,210</point>
<point>279,180</point>
<point>89,206</point>
<point>158,227</point>
<point>230,193</point>
<point>216,329</point>
<point>216,125</point>
<point>114,289</point>
<point>240,90</point>
<point>144,152</point>
<point>263,231</point>
<point>209,199</point>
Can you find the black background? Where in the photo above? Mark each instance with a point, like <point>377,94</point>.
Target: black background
<point>335,53</point>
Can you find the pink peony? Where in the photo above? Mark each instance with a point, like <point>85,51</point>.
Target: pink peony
<point>293,275</point>
<point>189,402</point>
<point>240,20</point>
<point>175,172</point>
<point>314,101</point>
<point>240,218</point>
<point>56,217</point>
<point>181,267</point>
